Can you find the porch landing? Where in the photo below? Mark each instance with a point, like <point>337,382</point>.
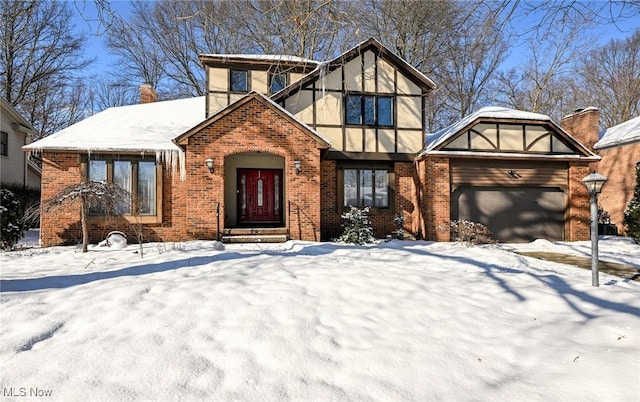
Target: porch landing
<point>255,235</point>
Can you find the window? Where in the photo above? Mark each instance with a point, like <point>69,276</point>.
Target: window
<point>4,143</point>
<point>239,81</point>
<point>369,110</point>
<point>277,81</point>
<point>366,188</point>
<point>137,176</point>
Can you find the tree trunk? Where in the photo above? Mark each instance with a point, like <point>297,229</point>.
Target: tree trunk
<point>83,222</point>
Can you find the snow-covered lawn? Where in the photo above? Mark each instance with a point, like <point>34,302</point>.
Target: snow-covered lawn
<point>398,321</point>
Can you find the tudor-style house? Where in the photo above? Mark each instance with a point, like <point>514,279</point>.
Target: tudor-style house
<point>281,146</point>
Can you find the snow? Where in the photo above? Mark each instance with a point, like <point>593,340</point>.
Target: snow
<point>264,57</point>
<point>396,321</point>
<point>142,128</point>
<point>622,134</point>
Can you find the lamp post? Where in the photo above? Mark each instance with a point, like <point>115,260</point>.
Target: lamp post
<point>594,183</point>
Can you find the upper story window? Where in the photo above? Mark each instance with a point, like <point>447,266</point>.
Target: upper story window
<point>239,81</point>
<point>502,137</point>
<point>277,81</point>
<point>136,176</point>
<point>369,110</point>
<point>4,143</point>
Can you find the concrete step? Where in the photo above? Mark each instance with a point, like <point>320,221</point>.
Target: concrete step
<point>254,231</point>
<point>263,238</point>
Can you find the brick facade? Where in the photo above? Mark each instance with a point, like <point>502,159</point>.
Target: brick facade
<point>618,164</point>
<point>583,125</point>
<point>438,198</point>
<point>255,127</point>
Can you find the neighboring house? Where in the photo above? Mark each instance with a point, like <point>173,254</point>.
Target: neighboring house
<point>281,147</point>
<point>16,167</point>
<point>619,148</point>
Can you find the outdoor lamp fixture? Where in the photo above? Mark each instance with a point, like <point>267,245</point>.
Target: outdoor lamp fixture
<point>297,166</point>
<point>594,183</point>
<point>209,163</point>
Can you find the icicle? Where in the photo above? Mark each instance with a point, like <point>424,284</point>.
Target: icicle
<point>175,160</point>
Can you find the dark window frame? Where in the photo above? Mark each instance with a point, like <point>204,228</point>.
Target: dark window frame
<point>4,143</point>
<point>245,88</point>
<point>367,110</point>
<point>274,74</point>
<point>389,176</point>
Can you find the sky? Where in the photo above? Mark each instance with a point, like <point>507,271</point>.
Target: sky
<point>87,21</point>
<point>302,321</point>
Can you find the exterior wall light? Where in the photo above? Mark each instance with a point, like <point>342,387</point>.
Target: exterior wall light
<point>297,165</point>
<point>209,163</point>
<point>594,183</point>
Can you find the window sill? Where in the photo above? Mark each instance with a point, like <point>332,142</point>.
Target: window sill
<point>145,219</point>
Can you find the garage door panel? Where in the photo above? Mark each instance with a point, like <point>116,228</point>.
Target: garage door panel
<point>513,214</point>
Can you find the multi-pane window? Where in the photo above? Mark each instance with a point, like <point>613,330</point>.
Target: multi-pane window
<point>277,81</point>
<point>4,143</point>
<point>369,110</point>
<point>366,188</point>
<point>239,81</point>
<point>136,177</point>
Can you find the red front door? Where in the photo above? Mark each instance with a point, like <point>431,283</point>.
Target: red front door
<point>259,195</point>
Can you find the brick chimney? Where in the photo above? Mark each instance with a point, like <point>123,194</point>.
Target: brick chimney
<point>147,93</point>
<point>583,125</point>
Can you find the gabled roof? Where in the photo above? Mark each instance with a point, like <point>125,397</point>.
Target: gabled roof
<point>183,138</point>
<point>24,126</point>
<point>135,128</point>
<point>411,72</point>
<point>621,134</point>
<point>495,114</point>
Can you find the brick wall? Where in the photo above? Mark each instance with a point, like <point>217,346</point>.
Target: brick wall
<point>62,224</point>
<point>583,125</point>
<point>405,203</point>
<point>578,213</point>
<point>619,165</point>
<point>437,202</point>
<point>254,127</point>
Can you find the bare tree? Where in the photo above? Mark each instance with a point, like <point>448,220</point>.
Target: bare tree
<point>541,83</point>
<point>141,59</point>
<point>40,60</point>
<point>305,28</point>
<point>611,79</point>
<point>89,194</point>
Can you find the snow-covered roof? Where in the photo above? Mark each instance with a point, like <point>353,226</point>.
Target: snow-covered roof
<point>135,128</point>
<point>622,134</point>
<point>489,112</point>
<point>263,57</point>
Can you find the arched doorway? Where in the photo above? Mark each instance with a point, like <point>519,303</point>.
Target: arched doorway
<point>254,190</point>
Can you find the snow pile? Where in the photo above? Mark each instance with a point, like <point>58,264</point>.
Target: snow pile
<point>315,322</point>
<point>114,240</point>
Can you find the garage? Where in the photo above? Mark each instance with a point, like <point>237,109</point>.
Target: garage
<point>513,214</point>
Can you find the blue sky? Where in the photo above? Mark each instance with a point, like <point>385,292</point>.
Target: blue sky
<point>87,21</point>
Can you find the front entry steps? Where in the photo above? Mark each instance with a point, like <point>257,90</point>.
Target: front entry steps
<point>254,235</point>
